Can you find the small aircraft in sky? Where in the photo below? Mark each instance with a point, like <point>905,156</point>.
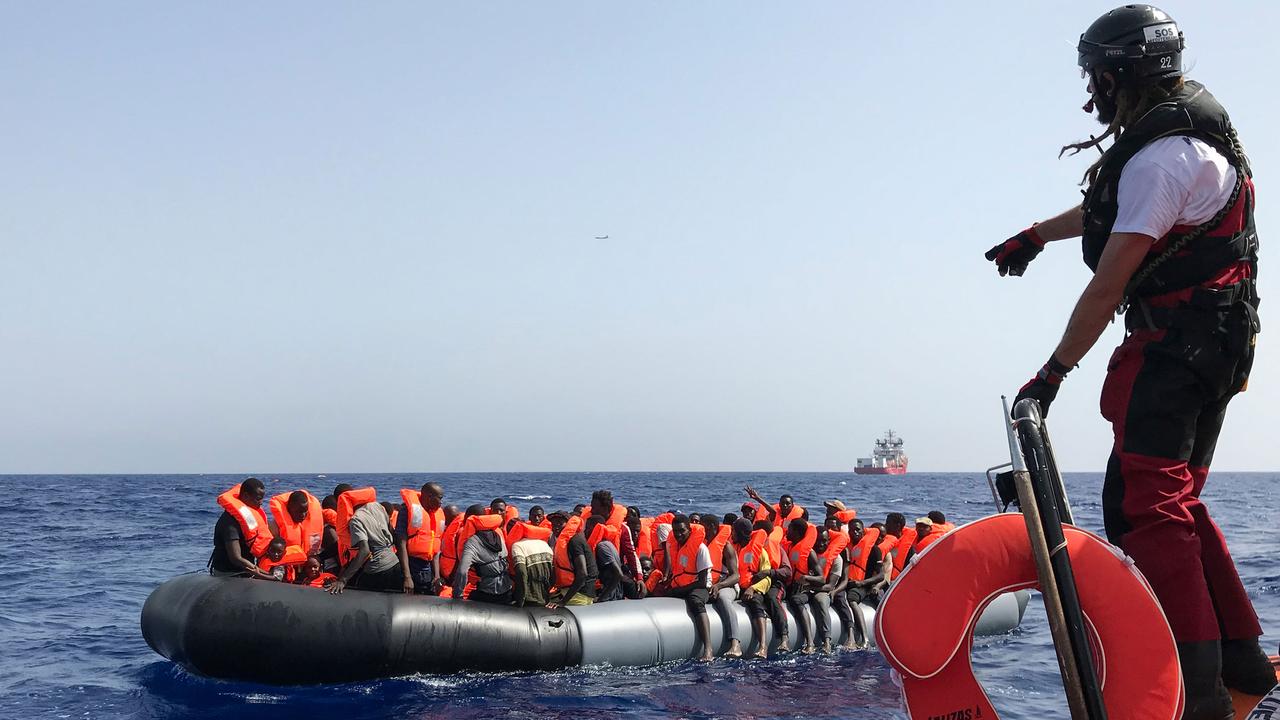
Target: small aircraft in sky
<point>602,237</point>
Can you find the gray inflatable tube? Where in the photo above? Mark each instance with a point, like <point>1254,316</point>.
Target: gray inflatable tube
<point>267,632</point>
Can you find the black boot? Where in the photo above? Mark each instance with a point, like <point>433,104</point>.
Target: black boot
<point>1207,697</point>
<point>1245,667</point>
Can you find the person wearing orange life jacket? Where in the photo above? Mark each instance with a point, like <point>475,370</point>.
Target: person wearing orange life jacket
<point>419,530</point>
<point>533,563</point>
<point>753,581</point>
<point>639,529</point>
<point>450,548</point>
<point>652,576</point>
<point>283,561</point>
<point>927,533</point>
<point>659,530</point>
<point>298,518</point>
<point>313,574</point>
<point>724,579</point>
<point>902,548</point>
<point>602,540</point>
<point>538,516</point>
<point>782,513</point>
<point>484,551</point>
<point>329,540</point>
<point>615,516</point>
<point>836,510</point>
<point>688,575</point>
<point>340,524</point>
<point>575,564</point>
<point>241,534</point>
<point>865,560</point>
<point>798,554</point>
<point>779,574</point>
<point>940,521</point>
<point>879,566</point>
<point>836,563</point>
<point>373,565</point>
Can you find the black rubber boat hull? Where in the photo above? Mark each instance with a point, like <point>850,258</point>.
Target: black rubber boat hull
<point>241,629</point>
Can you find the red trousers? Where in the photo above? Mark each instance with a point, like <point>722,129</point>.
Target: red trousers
<point>1166,395</point>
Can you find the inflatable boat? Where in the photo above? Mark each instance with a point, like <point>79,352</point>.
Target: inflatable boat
<point>275,633</point>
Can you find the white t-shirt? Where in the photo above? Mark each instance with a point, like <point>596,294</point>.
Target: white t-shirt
<point>1172,181</point>
<point>703,562</point>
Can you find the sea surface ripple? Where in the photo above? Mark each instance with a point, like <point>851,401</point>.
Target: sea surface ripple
<point>97,545</point>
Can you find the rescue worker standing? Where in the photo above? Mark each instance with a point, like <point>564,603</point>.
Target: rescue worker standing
<point>1167,227</point>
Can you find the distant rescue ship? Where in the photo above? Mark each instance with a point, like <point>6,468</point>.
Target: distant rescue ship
<point>886,459</point>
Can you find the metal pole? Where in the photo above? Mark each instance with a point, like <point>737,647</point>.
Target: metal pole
<point>1044,570</point>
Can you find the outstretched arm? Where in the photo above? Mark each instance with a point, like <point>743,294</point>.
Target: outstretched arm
<point>1093,311</point>
<point>1063,226</point>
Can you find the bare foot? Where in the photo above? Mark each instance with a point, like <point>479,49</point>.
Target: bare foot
<point>760,654</point>
<point>734,651</point>
<point>784,645</point>
<point>705,658</point>
<point>807,649</point>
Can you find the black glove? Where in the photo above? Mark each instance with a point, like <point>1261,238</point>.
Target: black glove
<point>1044,386</point>
<point>1013,255</point>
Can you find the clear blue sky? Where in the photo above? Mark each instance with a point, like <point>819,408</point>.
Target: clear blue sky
<point>359,237</point>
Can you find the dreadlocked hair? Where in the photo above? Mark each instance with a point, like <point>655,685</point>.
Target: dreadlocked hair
<point>1133,100</point>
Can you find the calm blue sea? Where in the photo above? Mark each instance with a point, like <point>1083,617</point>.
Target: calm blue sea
<point>84,552</point>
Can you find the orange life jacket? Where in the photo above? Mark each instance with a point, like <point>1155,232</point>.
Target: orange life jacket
<point>644,543</point>
<point>887,545</point>
<point>659,548</point>
<point>716,548</point>
<point>798,552</point>
<point>323,579</point>
<point>846,516</point>
<point>749,556</point>
<point>294,557</point>
<point>523,531</point>
<point>929,538</point>
<point>527,531</point>
<point>858,558</point>
<point>473,525</point>
<point>424,528</point>
<point>653,580</point>
<point>779,520</point>
<point>562,565</point>
<point>450,548</point>
<point>684,558</point>
<point>330,517</point>
<point>905,543</point>
<point>773,546</point>
<point>347,504</point>
<point>511,513</point>
<point>306,534</point>
<point>836,543</point>
<point>252,521</point>
<point>617,517</point>
<point>603,531</point>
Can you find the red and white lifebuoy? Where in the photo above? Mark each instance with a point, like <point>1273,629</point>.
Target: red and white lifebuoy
<point>924,626</point>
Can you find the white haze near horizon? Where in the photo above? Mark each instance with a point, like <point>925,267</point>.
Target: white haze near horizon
<point>326,238</point>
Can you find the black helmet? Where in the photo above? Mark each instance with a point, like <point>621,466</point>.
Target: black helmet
<point>1140,41</point>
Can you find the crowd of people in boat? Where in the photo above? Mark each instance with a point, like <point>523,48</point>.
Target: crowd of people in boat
<point>767,556</point>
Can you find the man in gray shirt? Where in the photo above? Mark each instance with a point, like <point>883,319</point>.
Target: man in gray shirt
<point>375,566</point>
<point>486,554</point>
